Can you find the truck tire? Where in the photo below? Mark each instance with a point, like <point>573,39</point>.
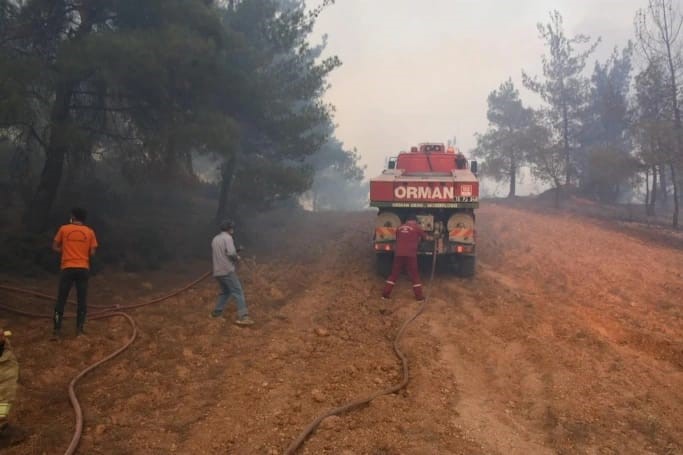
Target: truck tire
<point>467,266</point>
<point>384,263</point>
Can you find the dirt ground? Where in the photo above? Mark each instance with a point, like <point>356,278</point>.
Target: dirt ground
<point>568,340</point>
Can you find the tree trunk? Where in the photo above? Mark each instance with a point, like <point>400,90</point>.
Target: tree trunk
<point>228,171</point>
<point>39,208</point>
<point>651,208</point>
<point>513,181</point>
<point>188,165</point>
<point>558,188</point>
<point>662,186</point>
<point>177,164</point>
<point>677,111</point>
<point>647,190</point>
<point>674,221</point>
<point>565,137</point>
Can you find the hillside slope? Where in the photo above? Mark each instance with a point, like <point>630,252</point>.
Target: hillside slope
<point>568,340</point>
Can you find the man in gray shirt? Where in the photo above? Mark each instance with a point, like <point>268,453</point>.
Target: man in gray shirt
<point>224,259</point>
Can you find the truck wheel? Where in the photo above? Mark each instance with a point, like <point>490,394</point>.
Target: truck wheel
<point>467,266</point>
<point>384,263</point>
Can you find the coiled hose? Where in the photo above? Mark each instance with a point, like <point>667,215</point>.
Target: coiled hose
<point>102,313</point>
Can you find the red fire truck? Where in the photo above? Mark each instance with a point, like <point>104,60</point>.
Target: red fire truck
<point>439,186</point>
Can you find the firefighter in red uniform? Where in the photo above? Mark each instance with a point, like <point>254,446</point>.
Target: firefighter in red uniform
<point>408,236</point>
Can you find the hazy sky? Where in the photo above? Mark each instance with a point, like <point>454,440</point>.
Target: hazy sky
<point>417,71</point>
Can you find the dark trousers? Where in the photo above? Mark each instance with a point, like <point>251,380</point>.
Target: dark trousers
<point>70,277</point>
<point>409,263</point>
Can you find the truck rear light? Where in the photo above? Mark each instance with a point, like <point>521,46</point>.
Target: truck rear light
<point>463,249</point>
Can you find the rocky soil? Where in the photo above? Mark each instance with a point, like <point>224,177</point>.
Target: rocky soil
<point>569,340</point>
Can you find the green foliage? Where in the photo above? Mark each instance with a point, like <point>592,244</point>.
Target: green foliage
<point>337,184</point>
<point>610,170</point>
<point>147,250</point>
<point>260,182</point>
<point>545,156</point>
<point>27,253</point>
<point>654,126</point>
<point>151,85</point>
<point>607,111</point>
<point>284,81</point>
<point>563,87</point>
<point>173,80</point>
<point>658,31</point>
<point>605,163</point>
<point>283,119</point>
<point>504,145</point>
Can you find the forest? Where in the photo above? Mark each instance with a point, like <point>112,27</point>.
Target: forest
<point>613,134</point>
<point>160,118</point>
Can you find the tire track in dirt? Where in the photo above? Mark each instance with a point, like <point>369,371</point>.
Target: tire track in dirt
<point>492,370</point>
<point>545,359</point>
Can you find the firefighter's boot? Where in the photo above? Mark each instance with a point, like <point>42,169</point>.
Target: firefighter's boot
<point>388,287</point>
<point>417,290</point>
<point>80,323</point>
<point>57,328</point>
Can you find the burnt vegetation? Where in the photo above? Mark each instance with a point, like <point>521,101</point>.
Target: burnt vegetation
<point>160,117</point>
<point>610,133</point>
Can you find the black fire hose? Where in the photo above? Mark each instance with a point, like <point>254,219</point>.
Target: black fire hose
<point>101,313</point>
<point>310,429</point>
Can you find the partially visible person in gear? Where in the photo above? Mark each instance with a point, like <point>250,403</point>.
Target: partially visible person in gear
<point>408,237</point>
<point>9,375</point>
<point>225,259</point>
<point>77,243</point>
<point>460,161</point>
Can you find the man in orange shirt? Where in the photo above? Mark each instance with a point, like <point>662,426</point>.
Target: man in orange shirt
<point>76,242</point>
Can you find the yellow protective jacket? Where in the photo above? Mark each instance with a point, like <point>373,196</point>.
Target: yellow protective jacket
<point>9,375</point>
